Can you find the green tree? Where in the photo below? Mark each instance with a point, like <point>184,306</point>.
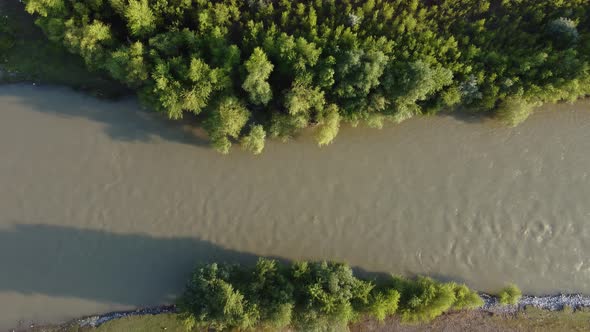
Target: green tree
<point>254,141</point>
<point>127,64</point>
<point>140,18</point>
<point>512,111</point>
<point>408,83</point>
<point>46,7</point>
<point>285,126</point>
<point>91,40</point>
<point>325,293</point>
<point>303,98</point>
<point>211,301</point>
<point>259,69</point>
<point>272,292</point>
<point>358,72</point>
<point>328,125</point>
<point>179,87</point>
<point>227,120</point>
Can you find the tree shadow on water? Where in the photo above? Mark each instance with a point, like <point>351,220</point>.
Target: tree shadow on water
<point>129,269</point>
<point>467,116</point>
<point>123,120</point>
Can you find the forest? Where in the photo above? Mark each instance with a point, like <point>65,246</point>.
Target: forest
<point>257,69</point>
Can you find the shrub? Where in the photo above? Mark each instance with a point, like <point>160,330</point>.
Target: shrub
<point>466,298</point>
<point>423,299</point>
<point>383,303</point>
<point>328,126</point>
<point>510,295</point>
<point>513,111</point>
<point>227,120</point>
<point>254,141</point>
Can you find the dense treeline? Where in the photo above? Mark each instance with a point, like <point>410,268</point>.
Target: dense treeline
<point>6,38</point>
<point>268,68</point>
<point>309,296</point>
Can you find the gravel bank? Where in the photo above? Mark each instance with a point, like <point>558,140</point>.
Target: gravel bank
<point>491,303</point>
<point>97,320</point>
<point>548,302</point>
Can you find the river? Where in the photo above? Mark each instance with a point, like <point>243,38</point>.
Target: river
<point>104,206</point>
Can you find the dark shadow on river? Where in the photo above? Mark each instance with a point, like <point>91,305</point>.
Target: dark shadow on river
<point>123,120</point>
<point>129,269</point>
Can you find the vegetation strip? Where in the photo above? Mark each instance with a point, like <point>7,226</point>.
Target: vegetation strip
<point>322,296</point>
<point>491,304</point>
<point>310,296</point>
<point>268,68</point>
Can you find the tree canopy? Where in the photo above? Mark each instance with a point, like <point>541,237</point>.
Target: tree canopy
<point>309,296</point>
<point>278,66</point>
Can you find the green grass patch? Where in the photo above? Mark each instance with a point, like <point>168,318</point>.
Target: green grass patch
<point>150,323</point>
<point>534,319</point>
<point>146,323</point>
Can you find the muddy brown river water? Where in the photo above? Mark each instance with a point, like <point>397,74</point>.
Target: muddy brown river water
<point>106,207</point>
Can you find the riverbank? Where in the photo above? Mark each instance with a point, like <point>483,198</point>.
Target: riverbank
<point>541,313</point>
<point>27,56</point>
<point>549,302</point>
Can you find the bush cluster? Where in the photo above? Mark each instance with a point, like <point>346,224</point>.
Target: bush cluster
<point>509,295</point>
<point>269,68</point>
<point>309,296</point>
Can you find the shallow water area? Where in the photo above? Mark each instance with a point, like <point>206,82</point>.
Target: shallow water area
<point>104,206</point>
